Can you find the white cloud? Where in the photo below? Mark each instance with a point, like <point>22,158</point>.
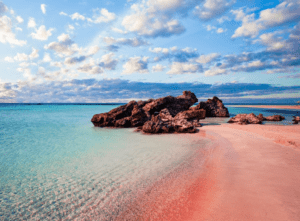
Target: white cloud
<point>65,46</point>
<point>90,68</point>
<point>184,68</point>
<point>63,13</point>
<point>77,16</point>
<point>71,27</point>
<point>20,19</point>
<point>31,23</point>
<point>34,54</point>
<point>108,62</point>
<point>47,58</point>
<point>136,65</point>
<point>155,18</point>
<point>287,11</point>
<point>9,59</point>
<point>42,34</point>
<point>215,71</point>
<point>21,57</point>
<point>134,42</point>
<point>210,27</point>
<point>204,59</point>
<point>6,34</point>
<point>220,30</point>
<point>43,8</point>
<point>158,68</point>
<point>119,31</point>
<point>213,8</point>
<point>104,16</point>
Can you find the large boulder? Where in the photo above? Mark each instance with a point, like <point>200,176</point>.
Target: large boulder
<point>163,122</point>
<point>163,115</point>
<point>245,119</point>
<point>214,108</point>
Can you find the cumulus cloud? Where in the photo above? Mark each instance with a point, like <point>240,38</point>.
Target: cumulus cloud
<point>179,55</point>
<point>6,33</point>
<point>77,16</point>
<point>107,61</point>
<point>34,54</point>
<point>63,13</point>
<point>47,58</point>
<point>90,68</point>
<point>20,19</point>
<point>136,65</point>
<point>120,31</point>
<point>64,47</point>
<point>287,11</point>
<point>43,8</point>
<point>75,60</point>
<point>156,18</point>
<point>31,23</point>
<point>184,68</point>
<point>212,8</point>
<point>134,42</point>
<point>215,71</point>
<point>103,15</point>
<point>158,68</point>
<point>205,59</point>
<point>9,59</point>
<point>42,33</point>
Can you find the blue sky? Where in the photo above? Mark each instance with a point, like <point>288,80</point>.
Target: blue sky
<point>115,51</point>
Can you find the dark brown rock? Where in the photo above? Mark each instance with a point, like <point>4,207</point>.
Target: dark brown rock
<point>214,108</point>
<point>245,119</point>
<point>260,117</point>
<point>296,119</point>
<point>163,115</point>
<point>274,118</point>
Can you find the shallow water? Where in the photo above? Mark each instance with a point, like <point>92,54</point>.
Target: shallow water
<point>56,166</point>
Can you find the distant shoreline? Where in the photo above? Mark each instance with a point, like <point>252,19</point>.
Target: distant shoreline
<point>268,106</point>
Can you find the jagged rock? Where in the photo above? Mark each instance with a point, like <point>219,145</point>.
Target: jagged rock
<point>214,108</point>
<point>253,119</point>
<point>163,115</point>
<point>296,119</point>
<point>245,119</point>
<point>274,118</point>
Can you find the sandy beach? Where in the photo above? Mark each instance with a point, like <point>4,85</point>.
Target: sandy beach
<point>268,106</point>
<point>255,172</point>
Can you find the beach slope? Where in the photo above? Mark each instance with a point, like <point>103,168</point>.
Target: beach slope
<point>256,173</point>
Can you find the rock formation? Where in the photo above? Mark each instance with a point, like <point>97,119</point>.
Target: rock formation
<point>253,119</point>
<point>163,115</point>
<point>296,119</point>
<point>214,108</point>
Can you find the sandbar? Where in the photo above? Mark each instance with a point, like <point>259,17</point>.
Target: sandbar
<point>297,107</point>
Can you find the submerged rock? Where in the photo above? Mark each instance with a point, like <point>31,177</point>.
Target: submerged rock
<point>253,119</point>
<point>214,108</point>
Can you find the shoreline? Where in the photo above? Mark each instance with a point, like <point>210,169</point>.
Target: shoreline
<point>257,174</point>
<point>268,106</point>
<point>247,172</point>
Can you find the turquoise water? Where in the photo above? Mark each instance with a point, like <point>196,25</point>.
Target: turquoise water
<point>56,166</point>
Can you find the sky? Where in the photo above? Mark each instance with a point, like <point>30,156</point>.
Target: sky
<point>117,51</point>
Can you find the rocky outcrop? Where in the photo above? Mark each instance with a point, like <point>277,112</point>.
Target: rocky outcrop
<point>214,108</point>
<point>296,119</point>
<point>274,118</point>
<point>183,122</point>
<point>253,119</point>
<point>245,119</point>
<point>163,115</point>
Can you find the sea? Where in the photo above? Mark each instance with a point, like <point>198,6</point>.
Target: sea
<point>55,165</point>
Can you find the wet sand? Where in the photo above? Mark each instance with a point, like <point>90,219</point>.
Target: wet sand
<point>256,173</point>
<point>268,106</point>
